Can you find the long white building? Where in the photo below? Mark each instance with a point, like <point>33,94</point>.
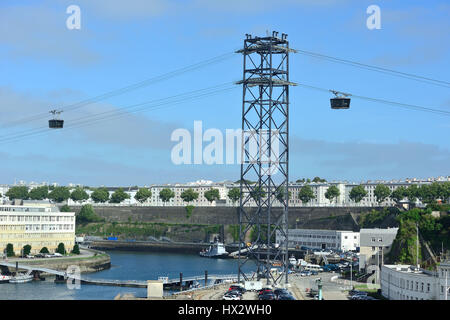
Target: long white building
<point>320,239</point>
<point>202,186</point>
<point>405,282</point>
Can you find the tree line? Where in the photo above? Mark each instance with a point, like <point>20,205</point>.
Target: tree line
<point>427,193</point>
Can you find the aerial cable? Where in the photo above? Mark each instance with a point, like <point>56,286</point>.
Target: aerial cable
<point>377,69</point>
<point>126,89</point>
<point>398,104</point>
<point>160,104</point>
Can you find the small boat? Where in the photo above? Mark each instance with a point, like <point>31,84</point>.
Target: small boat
<point>217,250</point>
<point>293,261</point>
<point>21,278</point>
<point>4,279</point>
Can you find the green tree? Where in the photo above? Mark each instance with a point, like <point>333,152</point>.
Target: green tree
<point>318,179</point>
<point>381,192</point>
<point>76,249</point>
<point>38,193</point>
<point>26,250</point>
<point>357,193</point>
<point>44,250</point>
<point>61,249</point>
<point>142,195</point>
<point>59,194</point>
<point>212,195</point>
<point>189,195</point>
<point>166,194</point>
<point>100,195</point>
<point>281,193</point>
<point>119,195</point>
<point>332,193</point>
<point>306,194</point>
<point>17,192</point>
<point>258,193</point>
<point>65,208</point>
<point>87,214</point>
<point>10,250</point>
<point>412,192</point>
<point>234,194</point>
<point>78,194</point>
<point>399,194</point>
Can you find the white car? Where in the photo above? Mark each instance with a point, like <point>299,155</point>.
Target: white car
<point>56,254</point>
<point>231,297</point>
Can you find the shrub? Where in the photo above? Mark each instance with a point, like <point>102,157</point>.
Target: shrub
<point>61,249</point>
<point>44,250</point>
<point>189,210</point>
<point>10,250</point>
<point>26,250</point>
<point>76,249</point>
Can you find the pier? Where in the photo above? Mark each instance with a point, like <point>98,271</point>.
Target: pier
<point>174,283</point>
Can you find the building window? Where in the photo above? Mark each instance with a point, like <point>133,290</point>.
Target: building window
<point>428,287</point>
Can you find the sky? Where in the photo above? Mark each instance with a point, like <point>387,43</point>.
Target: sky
<point>44,65</point>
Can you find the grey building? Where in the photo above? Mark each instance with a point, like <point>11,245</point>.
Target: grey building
<point>374,244</point>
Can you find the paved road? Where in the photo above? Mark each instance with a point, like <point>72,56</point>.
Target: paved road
<point>330,290</point>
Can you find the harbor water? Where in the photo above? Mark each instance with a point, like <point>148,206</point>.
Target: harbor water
<point>124,266</point>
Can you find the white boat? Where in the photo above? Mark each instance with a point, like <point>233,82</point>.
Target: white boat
<point>4,279</point>
<point>293,261</point>
<point>217,250</point>
<point>21,278</point>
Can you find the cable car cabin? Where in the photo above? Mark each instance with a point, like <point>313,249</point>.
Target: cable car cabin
<point>55,124</point>
<point>340,103</point>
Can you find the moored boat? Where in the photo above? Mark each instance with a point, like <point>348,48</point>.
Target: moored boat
<point>21,278</point>
<point>217,250</point>
<point>4,279</point>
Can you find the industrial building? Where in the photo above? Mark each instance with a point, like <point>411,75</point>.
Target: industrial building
<point>321,239</point>
<point>374,245</point>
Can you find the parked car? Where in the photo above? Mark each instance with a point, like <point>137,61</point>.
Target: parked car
<point>267,296</point>
<point>286,297</point>
<point>56,254</point>
<point>356,292</point>
<point>235,292</point>
<point>359,296</point>
<point>231,296</point>
<point>237,288</point>
<point>265,290</point>
<point>29,256</point>
<point>280,291</point>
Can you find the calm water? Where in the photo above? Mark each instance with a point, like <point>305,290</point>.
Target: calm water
<point>124,266</point>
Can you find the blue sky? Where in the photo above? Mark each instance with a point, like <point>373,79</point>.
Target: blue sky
<point>44,66</point>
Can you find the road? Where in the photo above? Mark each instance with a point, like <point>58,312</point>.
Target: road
<point>297,286</point>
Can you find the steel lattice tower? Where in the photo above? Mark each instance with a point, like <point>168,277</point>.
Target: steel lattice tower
<point>265,154</point>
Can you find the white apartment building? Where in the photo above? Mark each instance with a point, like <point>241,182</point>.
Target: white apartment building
<point>320,239</point>
<point>202,186</point>
<point>38,224</point>
<point>405,282</point>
